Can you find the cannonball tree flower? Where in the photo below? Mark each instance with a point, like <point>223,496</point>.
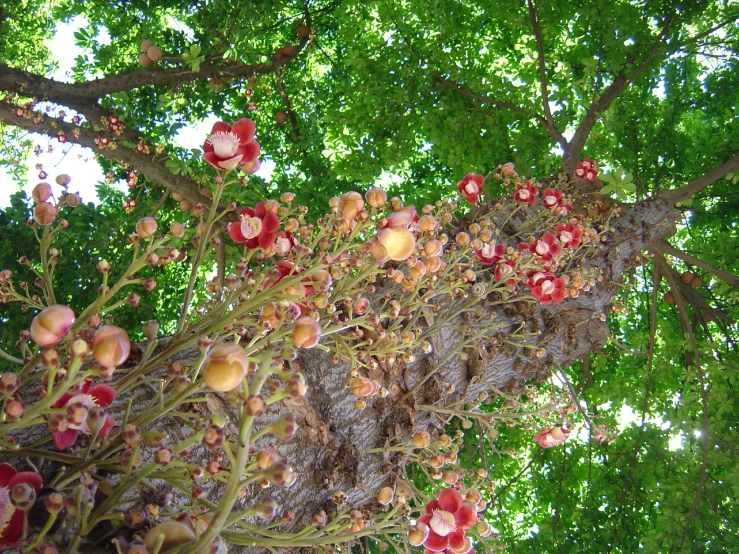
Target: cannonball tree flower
<point>490,254</point>
<point>394,243</point>
<point>471,187</point>
<point>285,243</point>
<point>447,518</point>
<point>229,147</point>
<point>51,325</point>
<point>526,193</point>
<point>505,271</point>
<point>545,287</point>
<point>89,397</point>
<point>586,170</point>
<point>11,518</point>
<point>569,235</point>
<point>256,228</point>
<point>551,436</point>
<point>546,247</point>
<point>555,200</point>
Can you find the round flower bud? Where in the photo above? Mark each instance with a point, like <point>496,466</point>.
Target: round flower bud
<point>44,213</point>
<point>79,348</point>
<point>376,197</point>
<point>72,200</point>
<point>285,427</point>
<point>9,383</point>
<point>54,503</point>
<point>307,333</point>
<point>22,496</point>
<point>151,328</point>
<point>175,534</point>
<point>399,243</point>
<point>177,229</point>
<point>51,325</point>
<point>225,366</point>
<point>14,409</point>
<point>421,439</point>
<point>350,204</point>
<point>418,534</point>
<point>267,456</point>
<point>110,346</point>
<point>146,227</point>
<point>41,192</point>
<point>280,474</point>
<point>339,497</point>
<point>385,496</point>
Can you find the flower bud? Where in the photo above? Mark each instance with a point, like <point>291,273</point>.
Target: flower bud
<point>41,192</point>
<point>110,346</point>
<point>267,456</point>
<point>22,496</point>
<point>287,197</point>
<point>176,533</point>
<point>362,387</point>
<point>225,366</point>
<point>385,496</point>
<point>339,497</point>
<point>280,474</point>
<point>421,439</point>
<point>72,200</point>
<point>14,409</point>
<point>44,213</point>
<point>151,328</point>
<point>376,197</point>
<point>146,227</point>
<point>177,229</point>
<point>54,502</point>
<point>350,204</point>
<point>307,333</point>
<point>131,435</point>
<point>79,348</point>
<point>214,437</point>
<point>9,383</point>
<point>398,242</point>
<point>131,459</point>
<point>285,427</point>
<point>50,326</point>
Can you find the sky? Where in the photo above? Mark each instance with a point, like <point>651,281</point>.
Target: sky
<point>76,161</point>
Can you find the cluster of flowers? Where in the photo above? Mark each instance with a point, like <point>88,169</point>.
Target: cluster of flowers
<point>587,170</point>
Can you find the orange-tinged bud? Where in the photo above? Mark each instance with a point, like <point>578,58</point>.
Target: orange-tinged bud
<point>362,387</point>
<point>462,239</point>
<point>378,250</point>
<point>385,496</point>
<point>427,223</point>
<point>176,533</point>
<point>558,434</point>
<point>399,243</point>
<point>146,227</point>
<point>267,456</point>
<point>421,439</point>
<point>51,325</point>
<point>376,197</point>
<point>110,346</point>
<point>41,192</point>
<point>350,204</point>
<point>433,264</point>
<point>73,200</point>
<point>433,248</point>
<point>280,474</point>
<point>177,229</point>
<point>44,213</point>
<point>436,462</point>
<point>225,366</point>
<point>418,534</point>
<point>307,333</point>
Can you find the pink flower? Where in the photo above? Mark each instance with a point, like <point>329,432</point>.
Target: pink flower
<point>546,247</point>
<point>551,436</point>
<point>11,519</point>
<point>553,199</point>
<point>545,287</point>
<point>471,187</point>
<point>447,518</point>
<point>490,254</point>
<point>229,147</point>
<point>569,235</point>
<point>101,396</point>
<point>504,270</point>
<point>587,170</point>
<point>285,243</point>
<point>256,228</point>
<point>526,194</point>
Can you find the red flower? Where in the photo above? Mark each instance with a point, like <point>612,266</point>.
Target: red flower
<point>568,235</point>
<point>551,436</point>
<point>504,270</point>
<point>90,397</point>
<point>11,519</point>
<point>471,187</point>
<point>587,170</point>
<point>229,147</point>
<point>285,243</point>
<point>546,247</point>
<point>553,199</point>
<point>526,194</point>
<point>545,287</point>
<point>257,227</point>
<point>489,254</point>
<point>447,518</point>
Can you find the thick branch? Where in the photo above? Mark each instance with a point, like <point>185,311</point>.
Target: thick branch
<point>665,247</point>
<point>614,90</point>
<point>29,84</point>
<point>696,185</point>
<point>534,16</point>
<point>86,137</point>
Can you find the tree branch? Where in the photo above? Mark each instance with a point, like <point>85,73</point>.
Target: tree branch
<point>549,121</point>
<point>86,137</point>
<point>30,84</point>
<point>661,245</point>
<point>614,90</point>
<point>696,185</point>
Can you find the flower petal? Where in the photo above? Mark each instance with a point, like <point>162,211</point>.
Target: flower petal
<point>65,439</point>
<point>234,231</point>
<point>230,163</point>
<point>102,394</point>
<point>107,426</point>
<point>459,543</point>
<point>12,533</point>
<point>436,542</point>
<point>265,240</point>
<point>7,472</point>
<point>431,506</point>
<point>220,127</point>
<point>466,516</point>
<point>244,128</point>
<point>212,159</point>
<point>450,500</point>
<point>250,151</point>
<point>30,477</point>
<point>270,222</point>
